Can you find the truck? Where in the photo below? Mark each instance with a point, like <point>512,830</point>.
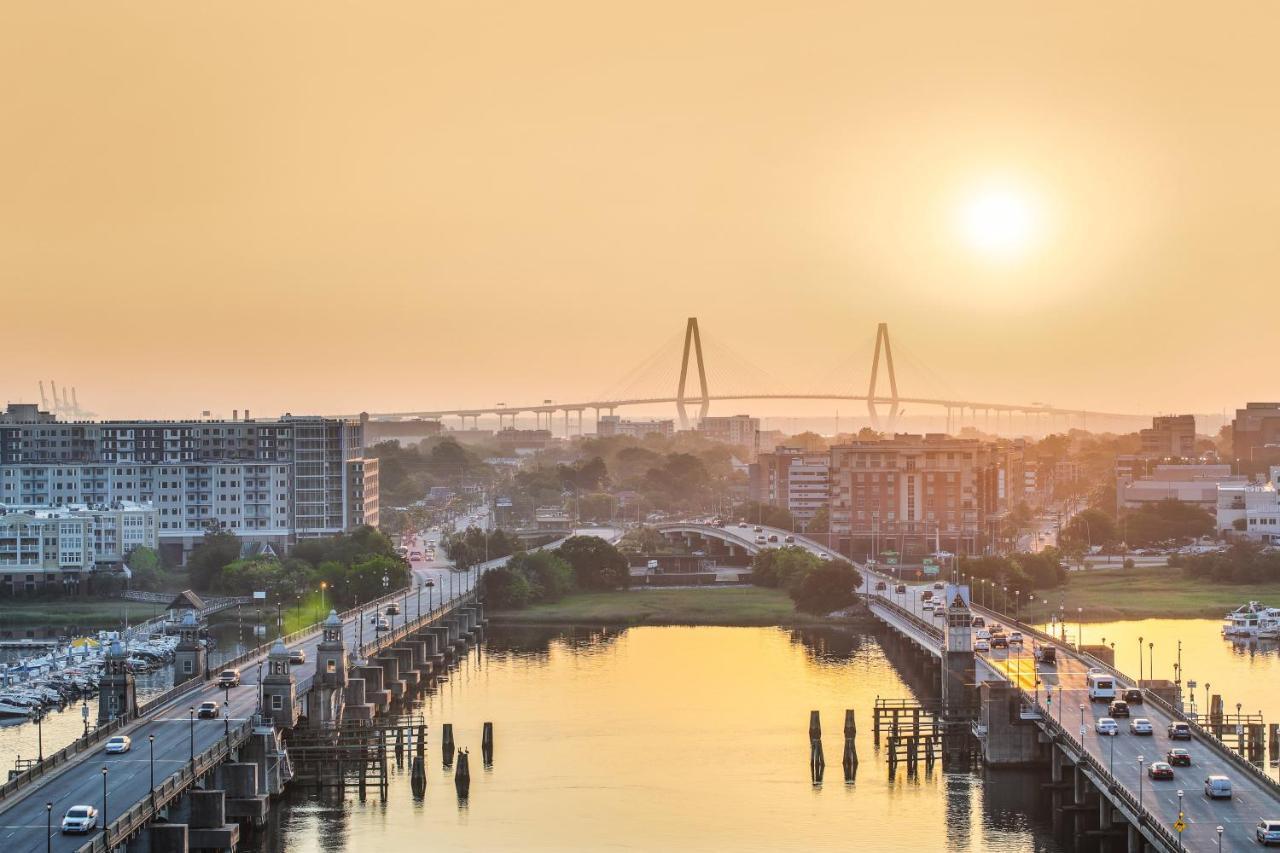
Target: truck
<point>1047,655</point>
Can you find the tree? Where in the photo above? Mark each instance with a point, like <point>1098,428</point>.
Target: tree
<point>779,567</point>
<point>505,588</point>
<point>218,549</point>
<point>829,587</point>
<point>1166,521</point>
<point>596,563</point>
<point>550,577</point>
<point>1091,527</point>
<point>820,523</point>
<point>144,564</point>
<point>769,515</point>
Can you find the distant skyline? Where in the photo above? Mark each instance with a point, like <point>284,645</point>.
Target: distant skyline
<point>314,208</point>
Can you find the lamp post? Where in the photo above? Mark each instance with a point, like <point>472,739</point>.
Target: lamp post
<point>431,595</point>
<point>48,827</point>
<point>1111,767</point>
<point>1079,628</point>
<point>84,715</point>
<point>151,741</point>
<point>1180,817</point>
<point>1151,661</point>
<point>192,728</point>
<point>1059,704</point>
<point>105,839</point>
<point>1082,725</point>
<point>40,737</point>
<point>1219,828</point>
<point>1140,662</point>
<point>226,719</point>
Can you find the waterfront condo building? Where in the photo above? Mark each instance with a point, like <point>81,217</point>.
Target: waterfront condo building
<point>270,481</point>
<point>918,494</point>
<point>795,480</point>
<point>54,549</point>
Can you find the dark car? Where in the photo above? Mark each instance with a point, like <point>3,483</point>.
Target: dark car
<point>1119,708</point>
<point>297,657</point>
<point>392,609</point>
<point>999,641</point>
<point>881,586</point>
<point>901,589</point>
<point>207,710</point>
<point>1179,757</point>
<point>926,596</point>
<point>1133,696</point>
<point>1179,731</point>
<point>1160,770</point>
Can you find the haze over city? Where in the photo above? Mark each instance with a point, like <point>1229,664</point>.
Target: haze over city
<point>439,205</point>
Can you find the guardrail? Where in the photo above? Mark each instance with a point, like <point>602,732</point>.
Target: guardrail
<point>42,768</point>
<point>142,812</point>
<point>1114,787</point>
<point>931,630</point>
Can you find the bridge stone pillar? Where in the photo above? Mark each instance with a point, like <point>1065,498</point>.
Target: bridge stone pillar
<point>117,692</point>
<point>444,644</point>
<point>325,699</point>
<point>189,656</point>
<point>391,674</point>
<point>408,671</point>
<point>374,691</point>
<point>279,689</point>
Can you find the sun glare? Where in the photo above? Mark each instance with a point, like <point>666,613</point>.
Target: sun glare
<point>999,222</point>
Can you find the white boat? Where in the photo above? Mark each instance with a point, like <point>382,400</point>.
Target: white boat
<point>1252,620</point>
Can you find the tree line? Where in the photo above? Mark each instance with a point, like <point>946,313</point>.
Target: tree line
<point>581,563</point>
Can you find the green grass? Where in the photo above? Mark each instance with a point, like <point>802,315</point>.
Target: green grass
<point>692,606</point>
<point>90,612</point>
<point>1147,593</point>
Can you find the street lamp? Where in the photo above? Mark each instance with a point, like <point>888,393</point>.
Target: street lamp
<point>84,715</point>
<point>1079,628</point>
<point>151,741</point>
<point>1219,828</point>
<point>192,727</point>
<point>40,737</point>
<point>1179,818</point>
<point>48,827</point>
<point>1082,725</point>
<point>1059,704</point>
<point>1139,661</point>
<point>226,719</point>
<point>105,839</point>
<point>1151,662</point>
<point>431,595</point>
<point>1141,760</point>
<point>323,586</point>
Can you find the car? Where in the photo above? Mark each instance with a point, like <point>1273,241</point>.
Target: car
<point>297,656</point>
<point>1178,757</point>
<point>1141,726</point>
<point>938,586</point>
<point>415,556</point>
<point>758,529</point>
<point>1107,726</point>
<point>699,553</point>
<point>1268,832</point>
<point>1179,730</point>
<point>999,641</point>
<point>926,595</point>
<point>742,524</point>
<point>789,539</point>
<point>900,589</point>
<point>229,678</point>
<point>1015,637</point>
<point>760,540</point>
<point>208,711</point>
<point>1217,787</point>
<point>881,586</point>
<point>80,819</point>
<point>940,613</point>
<point>118,744</point>
<point>979,622</point>
<point>773,537</point>
<point>1119,708</point>
<point>928,606</point>
<point>981,646</point>
<point>984,634</point>
<point>1133,696</point>
<point>1160,770</point>
<point>381,623</point>
<point>1046,654</point>
<point>392,609</point>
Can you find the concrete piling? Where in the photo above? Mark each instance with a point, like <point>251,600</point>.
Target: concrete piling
<point>817,763</point>
<point>462,776</point>
<point>486,745</point>
<point>418,778</point>
<point>446,744</point>
<point>422,740</point>
<point>850,758</point>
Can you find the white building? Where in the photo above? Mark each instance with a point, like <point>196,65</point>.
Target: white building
<point>614,425</point>
<point>1251,509</point>
<point>46,549</point>
<point>1193,484</point>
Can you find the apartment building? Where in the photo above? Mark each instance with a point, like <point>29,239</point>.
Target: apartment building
<point>738,430</point>
<point>917,494</point>
<point>793,479</point>
<point>1255,437</point>
<point>54,549</point>
<point>268,481</point>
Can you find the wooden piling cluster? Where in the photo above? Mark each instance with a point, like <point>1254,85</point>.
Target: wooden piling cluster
<point>912,733</point>
<point>817,763</point>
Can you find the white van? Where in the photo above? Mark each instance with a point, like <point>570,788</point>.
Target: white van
<point>1102,687</point>
<point>1217,787</point>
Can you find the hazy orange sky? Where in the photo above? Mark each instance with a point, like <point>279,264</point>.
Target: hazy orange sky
<point>331,206</point>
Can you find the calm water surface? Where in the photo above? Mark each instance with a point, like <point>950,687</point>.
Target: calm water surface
<point>671,739</point>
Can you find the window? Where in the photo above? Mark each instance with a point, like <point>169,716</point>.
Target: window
<point>277,702</point>
<point>188,666</point>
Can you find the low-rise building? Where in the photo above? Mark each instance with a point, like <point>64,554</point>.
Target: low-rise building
<point>610,425</point>
<point>1169,437</point>
<point>1192,484</point>
<point>1255,437</point>
<point>738,430</point>
<point>1250,509</point>
<point>56,548</point>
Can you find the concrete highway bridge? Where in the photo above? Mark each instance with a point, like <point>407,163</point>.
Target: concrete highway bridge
<point>190,783</point>
<point>1029,714</point>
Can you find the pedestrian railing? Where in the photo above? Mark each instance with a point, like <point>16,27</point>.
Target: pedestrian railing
<point>38,770</point>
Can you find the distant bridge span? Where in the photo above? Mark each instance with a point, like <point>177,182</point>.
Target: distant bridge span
<point>702,397</point>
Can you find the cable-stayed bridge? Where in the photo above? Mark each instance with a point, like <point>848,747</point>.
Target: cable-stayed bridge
<point>695,387</point>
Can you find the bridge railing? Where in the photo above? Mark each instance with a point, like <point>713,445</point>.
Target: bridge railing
<point>1114,787</point>
<point>40,769</point>
<point>1238,760</point>
<point>142,812</point>
<point>904,613</point>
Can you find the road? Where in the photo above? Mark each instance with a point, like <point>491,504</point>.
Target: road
<point>128,778</point>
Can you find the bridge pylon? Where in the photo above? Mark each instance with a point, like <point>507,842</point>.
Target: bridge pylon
<point>891,423</point>
<point>692,340</point>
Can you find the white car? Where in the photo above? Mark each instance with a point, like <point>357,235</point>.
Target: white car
<point>984,634</point>
<point>80,819</point>
<point>119,743</point>
<point>1107,726</point>
<point>981,646</point>
<point>1015,638</point>
<point>1268,832</point>
<point>1140,726</point>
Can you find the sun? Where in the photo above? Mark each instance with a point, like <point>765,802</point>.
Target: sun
<point>1001,222</point>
